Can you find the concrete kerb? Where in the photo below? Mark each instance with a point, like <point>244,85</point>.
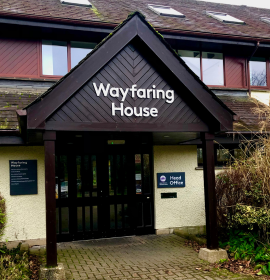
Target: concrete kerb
<point>52,273</point>
<point>213,256</point>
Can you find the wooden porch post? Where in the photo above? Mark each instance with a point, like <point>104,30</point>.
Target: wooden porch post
<point>209,190</point>
<point>49,138</point>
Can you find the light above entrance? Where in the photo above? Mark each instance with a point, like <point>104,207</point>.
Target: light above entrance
<point>223,17</point>
<point>165,11</point>
<point>77,2</point>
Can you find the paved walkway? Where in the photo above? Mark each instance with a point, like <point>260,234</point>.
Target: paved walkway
<point>139,257</point>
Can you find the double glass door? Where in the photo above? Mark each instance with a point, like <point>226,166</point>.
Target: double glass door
<point>105,191</point>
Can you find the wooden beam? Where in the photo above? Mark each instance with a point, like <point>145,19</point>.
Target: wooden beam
<point>49,138</point>
<point>209,190</point>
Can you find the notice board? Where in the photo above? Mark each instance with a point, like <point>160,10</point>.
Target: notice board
<point>23,177</point>
<point>171,180</point>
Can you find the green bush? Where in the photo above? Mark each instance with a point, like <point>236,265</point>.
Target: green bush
<point>3,217</point>
<point>243,191</point>
<point>14,265</point>
<point>245,246</point>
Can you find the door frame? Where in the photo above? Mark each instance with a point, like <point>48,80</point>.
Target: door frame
<point>85,144</point>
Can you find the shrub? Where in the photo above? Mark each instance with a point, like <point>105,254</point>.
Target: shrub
<point>3,217</point>
<point>243,191</point>
<point>14,267</point>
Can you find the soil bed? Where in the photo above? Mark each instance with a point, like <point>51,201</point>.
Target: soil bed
<point>232,265</point>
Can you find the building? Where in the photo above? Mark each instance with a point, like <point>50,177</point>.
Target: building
<point>114,138</point>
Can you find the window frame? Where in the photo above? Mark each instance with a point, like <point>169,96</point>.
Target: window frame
<point>201,64</point>
<point>267,64</point>
<point>57,77</point>
<point>246,72</point>
<point>216,147</point>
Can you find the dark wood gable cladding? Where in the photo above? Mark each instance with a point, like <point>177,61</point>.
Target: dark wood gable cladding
<point>87,110</point>
<point>133,54</point>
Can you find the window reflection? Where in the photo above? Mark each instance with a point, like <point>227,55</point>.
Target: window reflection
<point>138,173</point>
<point>192,59</point>
<point>257,67</point>
<point>63,174</point>
<point>79,176</point>
<point>79,50</point>
<point>146,174</point>
<point>54,58</point>
<point>223,157</point>
<point>212,66</point>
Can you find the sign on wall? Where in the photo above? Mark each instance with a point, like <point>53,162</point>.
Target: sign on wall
<point>135,93</point>
<point>23,177</point>
<point>171,180</point>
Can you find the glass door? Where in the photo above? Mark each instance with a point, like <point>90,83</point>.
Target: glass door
<point>104,190</point>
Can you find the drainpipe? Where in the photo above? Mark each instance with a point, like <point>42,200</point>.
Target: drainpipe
<point>248,60</point>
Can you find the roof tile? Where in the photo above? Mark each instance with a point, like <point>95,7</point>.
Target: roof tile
<point>114,12</point>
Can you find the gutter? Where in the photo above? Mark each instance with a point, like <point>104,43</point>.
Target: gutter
<point>103,27</point>
<point>248,69</point>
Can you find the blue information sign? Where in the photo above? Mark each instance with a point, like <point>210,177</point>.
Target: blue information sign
<point>171,180</point>
<point>23,177</point>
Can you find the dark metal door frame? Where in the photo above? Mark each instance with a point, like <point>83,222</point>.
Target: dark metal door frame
<point>72,149</point>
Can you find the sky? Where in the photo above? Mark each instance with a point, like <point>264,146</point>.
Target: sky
<point>251,3</point>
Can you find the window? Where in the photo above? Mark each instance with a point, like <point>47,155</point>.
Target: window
<point>192,59</point>
<point>79,50</point>
<point>77,2</point>
<point>223,17</point>
<point>55,60</point>
<point>222,155</point>
<point>265,19</point>
<point>210,63</point>
<point>165,11</point>
<point>257,68</point>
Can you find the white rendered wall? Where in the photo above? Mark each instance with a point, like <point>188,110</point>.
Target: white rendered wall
<point>188,208</point>
<point>26,213</point>
<point>263,97</point>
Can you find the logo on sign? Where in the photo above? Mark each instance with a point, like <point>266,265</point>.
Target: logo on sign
<point>162,178</point>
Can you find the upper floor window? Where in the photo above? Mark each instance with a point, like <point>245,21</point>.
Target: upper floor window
<point>192,59</point>
<point>206,65</point>
<point>212,64</point>
<point>79,50</point>
<point>56,60</point>
<point>257,68</point>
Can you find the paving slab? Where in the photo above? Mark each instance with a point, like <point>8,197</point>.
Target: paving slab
<point>154,257</point>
